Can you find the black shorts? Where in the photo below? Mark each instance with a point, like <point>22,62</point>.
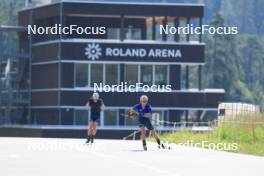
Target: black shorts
<point>145,122</point>
<point>94,118</point>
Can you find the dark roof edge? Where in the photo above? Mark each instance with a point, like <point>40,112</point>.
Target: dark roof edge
<point>119,3</point>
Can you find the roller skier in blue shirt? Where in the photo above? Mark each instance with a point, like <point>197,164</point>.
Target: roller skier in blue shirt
<point>143,112</point>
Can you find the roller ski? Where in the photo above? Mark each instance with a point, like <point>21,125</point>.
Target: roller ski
<point>163,146</point>
<point>89,140</point>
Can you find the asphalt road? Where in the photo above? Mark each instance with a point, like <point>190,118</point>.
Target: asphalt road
<point>69,157</point>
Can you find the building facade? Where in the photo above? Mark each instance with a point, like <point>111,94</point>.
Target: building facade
<point>65,67</point>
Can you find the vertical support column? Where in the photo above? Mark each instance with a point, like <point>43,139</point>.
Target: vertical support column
<point>200,112</point>
<point>186,116</point>
<point>187,77</point>
<point>176,24</point>
<point>121,73</point>
<point>59,64</point>
<point>153,28</point>
<point>30,70</point>
<point>121,121</point>
<point>122,28</point>
<point>200,66</point>
<point>200,77</point>
<point>1,81</point>
<point>164,36</point>
<point>175,76</point>
<point>188,35</point>
<point>200,25</point>
<point>187,66</point>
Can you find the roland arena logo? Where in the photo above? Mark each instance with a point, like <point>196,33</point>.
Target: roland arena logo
<point>94,51</point>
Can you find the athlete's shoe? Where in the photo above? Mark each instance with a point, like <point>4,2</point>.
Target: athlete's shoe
<point>145,147</point>
<point>162,146</point>
<point>88,140</point>
<point>92,140</point>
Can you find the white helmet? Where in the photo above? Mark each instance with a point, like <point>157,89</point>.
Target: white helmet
<point>144,98</point>
<point>95,96</point>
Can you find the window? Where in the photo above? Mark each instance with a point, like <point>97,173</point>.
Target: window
<point>129,33</point>
<point>88,74</point>
<point>159,115</point>
<point>195,23</point>
<point>132,33</point>
<point>149,74</point>
<point>159,21</point>
<point>146,74</point>
<point>183,77</point>
<point>81,117</point>
<point>161,74</point>
<point>131,74</point>
<point>108,74</point>
<point>113,33</point>
<point>96,74</point>
<point>171,23</point>
<point>81,75</point>
<point>111,74</point>
<point>110,118</point>
<point>193,78</point>
<point>182,23</point>
<point>149,28</point>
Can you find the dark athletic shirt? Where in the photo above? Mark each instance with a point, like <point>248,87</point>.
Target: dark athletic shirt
<point>95,106</point>
<point>141,111</point>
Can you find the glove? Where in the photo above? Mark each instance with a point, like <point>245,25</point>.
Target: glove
<point>132,113</point>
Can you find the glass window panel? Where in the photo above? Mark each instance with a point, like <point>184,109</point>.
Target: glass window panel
<point>193,77</point>
<point>81,75</point>
<point>157,116</point>
<point>195,23</point>
<point>111,74</point>
<point>149,24</point>
<point>81,117</point>
<point>161,74</point>
<point>146,75</point>
<point>183,77</point>
<point>170,36</point>
<point>131,74</point>
<point>132,33</point>
<point>182,23</point>
<point>96,74</point>
<point>113,33</point>
<point>110,118</point>
<point>159,21</point>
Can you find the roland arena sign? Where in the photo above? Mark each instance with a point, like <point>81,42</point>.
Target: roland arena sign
<point>134,52</point>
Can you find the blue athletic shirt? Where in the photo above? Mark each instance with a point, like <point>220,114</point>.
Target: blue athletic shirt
<point>141,111</point>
